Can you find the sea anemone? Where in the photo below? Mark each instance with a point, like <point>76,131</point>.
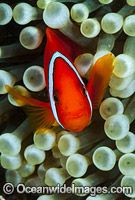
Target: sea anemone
<point>103,154</point>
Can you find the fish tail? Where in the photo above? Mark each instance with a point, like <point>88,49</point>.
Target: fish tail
<point>99,79</point>
<point>39,113</point>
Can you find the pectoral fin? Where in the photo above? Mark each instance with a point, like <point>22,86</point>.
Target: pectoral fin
<point>99,79</point>
<point>39,113</point>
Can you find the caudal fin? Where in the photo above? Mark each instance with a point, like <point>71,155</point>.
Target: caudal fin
<point>39,113</point>
<point>99,79</point>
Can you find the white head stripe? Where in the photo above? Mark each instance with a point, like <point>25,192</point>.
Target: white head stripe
<point>51,67</point>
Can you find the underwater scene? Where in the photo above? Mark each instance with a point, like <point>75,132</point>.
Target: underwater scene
<point>67,100</point>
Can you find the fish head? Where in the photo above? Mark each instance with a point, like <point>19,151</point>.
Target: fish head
<point>69,98</point>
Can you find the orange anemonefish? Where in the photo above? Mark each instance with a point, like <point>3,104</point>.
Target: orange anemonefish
<point>71,103</point>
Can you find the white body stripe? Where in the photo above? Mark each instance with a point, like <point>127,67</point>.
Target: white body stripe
<point>51,68</point>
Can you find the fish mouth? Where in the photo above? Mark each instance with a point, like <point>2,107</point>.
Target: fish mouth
<point>75,116</point>
<point>76,122</point>
<point>82,113</point>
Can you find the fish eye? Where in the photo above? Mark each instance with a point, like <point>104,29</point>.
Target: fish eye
<point>83,90</point>
<point>56,98</point>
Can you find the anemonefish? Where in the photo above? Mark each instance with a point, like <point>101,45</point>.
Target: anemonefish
<point>71,103</point>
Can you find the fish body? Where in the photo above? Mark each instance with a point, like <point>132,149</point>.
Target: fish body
<point>71,102</point>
